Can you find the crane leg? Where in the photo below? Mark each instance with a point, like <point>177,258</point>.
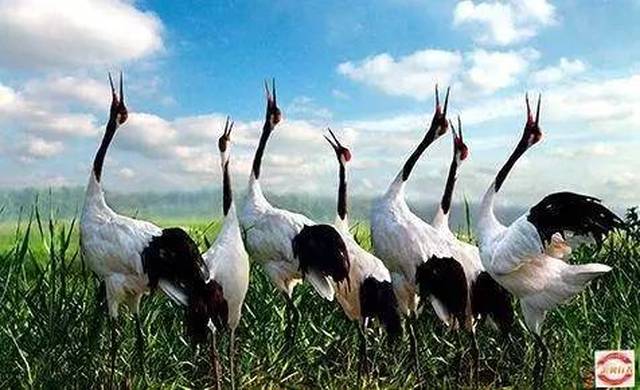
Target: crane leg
<point>114,350</point>
<point>215,360</point>
<point>541,363</point>
<point>412,321</point>
<point>363,364</point>
<point>475,353</point>
<point>232,350</point>
<point>140,345</point>
<point>293,317</point>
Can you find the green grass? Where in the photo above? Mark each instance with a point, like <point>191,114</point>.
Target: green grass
<point>54,335</point>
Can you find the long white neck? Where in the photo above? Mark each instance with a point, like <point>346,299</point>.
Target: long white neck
<point>254,193</point>
<point>488,224</point>
<point>396,188</point>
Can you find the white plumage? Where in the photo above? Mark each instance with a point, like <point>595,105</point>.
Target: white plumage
<point>227,260</point>
<point>270,231</point>
<point>526,257</point>
<point>400,238</point>
<point>268,234</point>
<point>111,247</point>
<point>130,256</point>
<point>464,253</point>
<point>363,264</point>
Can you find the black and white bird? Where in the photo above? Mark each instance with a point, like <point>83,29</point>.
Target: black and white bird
<point>526,257</point>
<point>368,293</point>
<point>228,262</point>
<point>479,297</point>
<point>405,242</point>
<point>133,257</point>
<point>275,237</point>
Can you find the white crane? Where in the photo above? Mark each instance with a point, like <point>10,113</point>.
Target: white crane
<point>228,262</point>
<point>526,257</point>
<point>272,236</point>
<point>133,257</point>
<point>481,296</point>
<point>368,293</point>
<point>404,241</point>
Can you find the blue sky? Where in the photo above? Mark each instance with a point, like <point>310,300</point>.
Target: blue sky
<point>367,70</point>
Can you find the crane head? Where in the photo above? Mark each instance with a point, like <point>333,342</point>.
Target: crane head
<point>118,112</point>
<point>342,153</point>
<point>274,115</point>
<point>532,133</point>
<point>439,122</point>
<point>225,138</point>
<point>460,149</point>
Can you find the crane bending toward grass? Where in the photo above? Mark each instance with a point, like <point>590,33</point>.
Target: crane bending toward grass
<point>228,263</point>
<point>132,257</point>
<point>272,236</point>
<point>526,257</point>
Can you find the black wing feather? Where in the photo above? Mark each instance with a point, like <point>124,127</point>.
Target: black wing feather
<point>567,211</point>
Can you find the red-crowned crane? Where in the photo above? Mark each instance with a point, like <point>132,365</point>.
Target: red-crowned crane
<point>368,294</point>
<point>481,296</point>
<point>133,257</point>
<point>274,237</point>
<point>526,257</point>
<point>405,242</point>
<point>228,262</point>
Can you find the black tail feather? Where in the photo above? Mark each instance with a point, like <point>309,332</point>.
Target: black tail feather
<point>444,279</point>
<point>568,211</point>
<point>206,302</point>
<point>174,257</point>
<point>378,300</point>
<point>320,248</point>
<point>489,299</point>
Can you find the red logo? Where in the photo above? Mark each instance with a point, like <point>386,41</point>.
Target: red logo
<point>615,369</point>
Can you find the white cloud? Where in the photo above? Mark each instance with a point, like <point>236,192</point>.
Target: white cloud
<point>412,75</point>
<point>70,33</point>
<point>587,151</point>
<point>306,107</point>
<point>565,68</point>
<point>477,72</point>
<point>19,110</point>
<point>504,22</point>
<point>60,91</point>
<point>39,148</point>
<point>494,70</point>
<point>126,173</point>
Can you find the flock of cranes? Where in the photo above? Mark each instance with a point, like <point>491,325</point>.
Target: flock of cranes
<point>414,261</point>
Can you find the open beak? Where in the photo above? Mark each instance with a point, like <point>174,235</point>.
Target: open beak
<point>121,90</point>
<point>337,146</point>
<point>113,90</point>
<point>228,126</point>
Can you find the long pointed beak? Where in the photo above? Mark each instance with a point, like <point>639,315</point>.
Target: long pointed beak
<point>330,142</point>
<point>538,109</point>
<point>334,137</point>
<point>460,128</point>
<point>121,90</point>
<point>113,90</point>
<point>446,102</point>
<point>453,131</point>
<point>526,98</point>
<point>273,90</point>
<point>437,98</point>
<point>266,91</point>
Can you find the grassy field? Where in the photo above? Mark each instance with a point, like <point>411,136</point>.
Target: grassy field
<point>53,335</point>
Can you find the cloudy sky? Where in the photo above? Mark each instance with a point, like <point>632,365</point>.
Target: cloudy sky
<point>367,71</point>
